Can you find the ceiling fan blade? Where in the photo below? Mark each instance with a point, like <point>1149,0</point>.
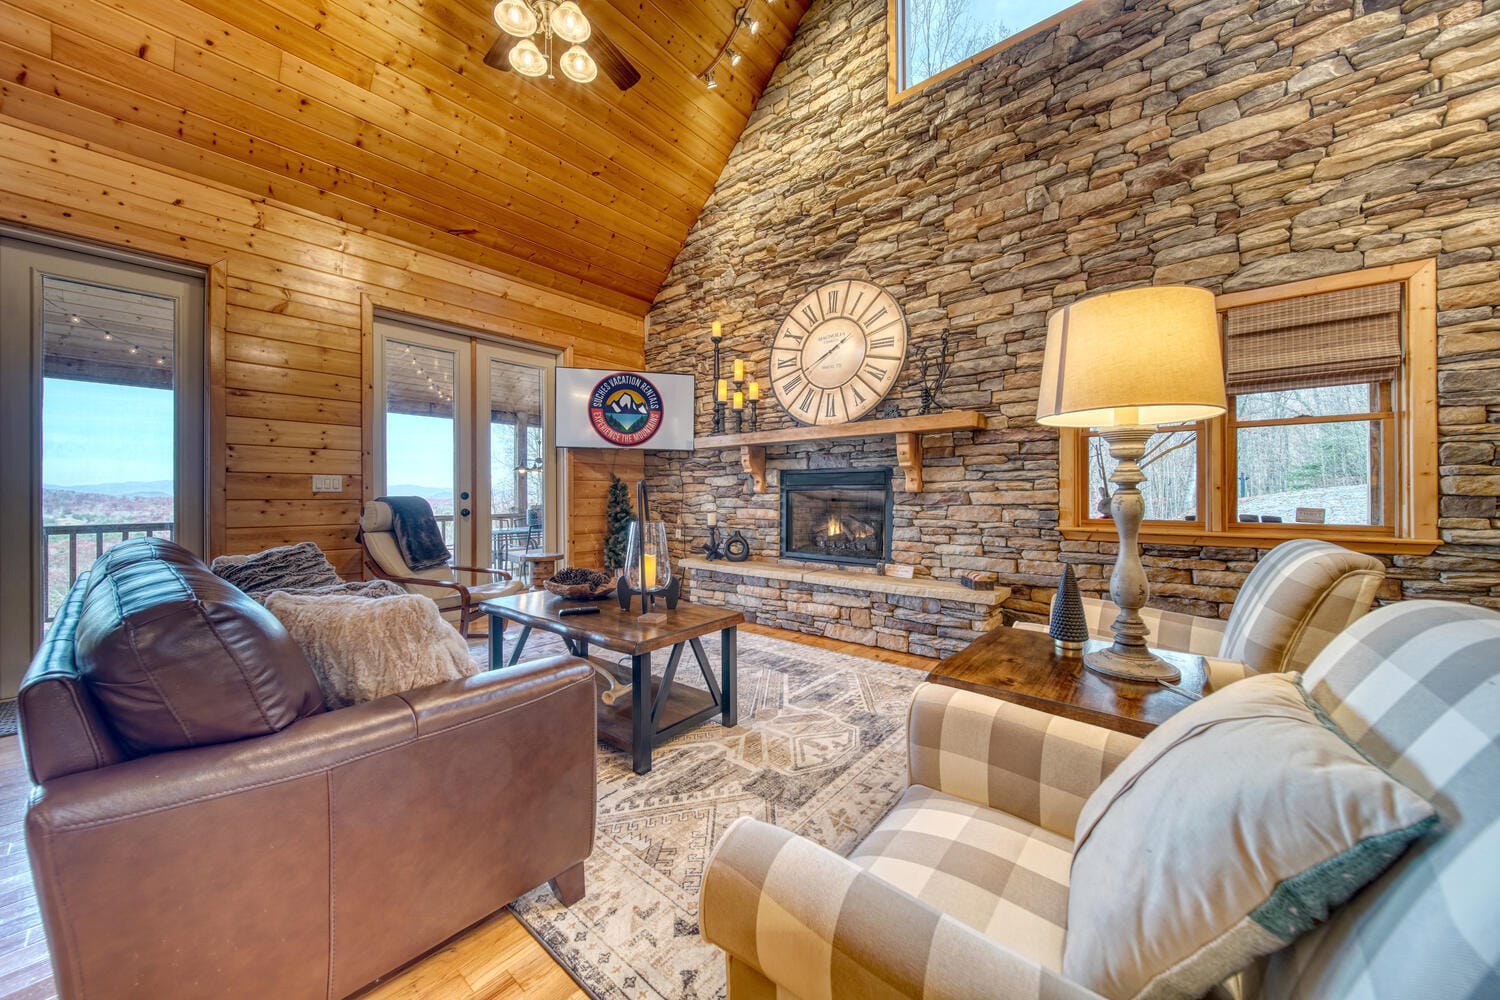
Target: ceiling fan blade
<point>612,61</point>
<point>496,57</point>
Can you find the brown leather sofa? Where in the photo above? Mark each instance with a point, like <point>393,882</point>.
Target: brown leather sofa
<point>310,852</point>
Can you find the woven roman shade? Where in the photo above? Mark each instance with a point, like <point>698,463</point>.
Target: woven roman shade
<point>1334,338</point>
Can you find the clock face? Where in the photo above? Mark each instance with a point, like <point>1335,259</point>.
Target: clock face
<point>838,352</point>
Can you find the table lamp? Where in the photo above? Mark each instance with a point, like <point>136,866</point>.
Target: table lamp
<point>1123,363</point>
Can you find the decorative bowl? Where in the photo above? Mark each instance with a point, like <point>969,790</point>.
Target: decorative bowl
<point>595,588</point>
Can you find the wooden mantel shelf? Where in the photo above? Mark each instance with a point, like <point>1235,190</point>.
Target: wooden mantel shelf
<point>907,431</point>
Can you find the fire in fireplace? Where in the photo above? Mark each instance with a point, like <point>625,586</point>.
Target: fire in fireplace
<point>836,515</point>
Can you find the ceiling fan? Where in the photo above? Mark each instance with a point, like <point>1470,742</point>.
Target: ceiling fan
<point>516,48</point>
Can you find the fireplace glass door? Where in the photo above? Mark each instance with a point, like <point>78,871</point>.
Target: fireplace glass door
<point>836,515</point>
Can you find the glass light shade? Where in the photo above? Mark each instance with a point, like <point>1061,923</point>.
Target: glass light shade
<point>569,24</point>
<point>515,17</point>
<point>1143,356</point>
<point>578,66</point>
<point>527,58</point>
<point>658,562</point>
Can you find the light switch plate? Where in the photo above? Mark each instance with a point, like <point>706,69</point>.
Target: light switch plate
<point>328,484</point>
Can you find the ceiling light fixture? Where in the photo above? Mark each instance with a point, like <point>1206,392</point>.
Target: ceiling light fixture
<point>742,20</point>
<point>524,19</point>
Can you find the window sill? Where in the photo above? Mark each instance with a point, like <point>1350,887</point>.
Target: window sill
<point>1159,534</point>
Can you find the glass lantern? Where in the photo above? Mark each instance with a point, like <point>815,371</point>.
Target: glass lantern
<point>658,565</point>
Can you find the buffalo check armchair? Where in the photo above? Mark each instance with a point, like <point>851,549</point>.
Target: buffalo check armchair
<point>1298,597</point>
<point>961,891</point>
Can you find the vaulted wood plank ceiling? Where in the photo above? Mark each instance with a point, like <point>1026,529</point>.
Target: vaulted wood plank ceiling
<point>382,114</point>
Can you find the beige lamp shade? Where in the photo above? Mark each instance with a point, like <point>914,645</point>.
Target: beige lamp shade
<point>1143,356</point>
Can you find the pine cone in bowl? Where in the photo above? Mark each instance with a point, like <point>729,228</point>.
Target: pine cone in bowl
<point>578,584</point>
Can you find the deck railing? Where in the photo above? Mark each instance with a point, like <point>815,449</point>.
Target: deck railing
<point>70,549</point>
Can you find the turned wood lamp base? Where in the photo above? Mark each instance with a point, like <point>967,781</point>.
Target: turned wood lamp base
<point>1128,658</point>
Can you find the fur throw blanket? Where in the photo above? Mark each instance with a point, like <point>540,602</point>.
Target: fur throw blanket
<point>363,648</point>
<point>294,569</point>
<point>417,533</point>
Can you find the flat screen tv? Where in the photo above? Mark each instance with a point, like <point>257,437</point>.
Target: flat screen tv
<point>604,408</point>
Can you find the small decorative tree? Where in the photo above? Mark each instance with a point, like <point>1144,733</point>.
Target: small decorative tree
<point>618,516</point>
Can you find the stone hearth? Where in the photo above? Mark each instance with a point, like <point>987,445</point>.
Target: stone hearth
<point>922,616</point>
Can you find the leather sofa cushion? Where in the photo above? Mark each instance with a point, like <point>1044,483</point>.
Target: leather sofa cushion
<point>177,657</point>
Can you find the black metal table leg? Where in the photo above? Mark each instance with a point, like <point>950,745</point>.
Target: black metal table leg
<point>497,641</point>
<point>515,654</point>
<point>729,686</point>
<point>642,736</point>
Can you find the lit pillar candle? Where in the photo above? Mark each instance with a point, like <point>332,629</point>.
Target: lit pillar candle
<point>739,400</point>
<point>713,518</point>
<point>739,370</point>
<point>754,393</point>
<point>718,330</point>
<point>723,390</point>
<point>650,571</point>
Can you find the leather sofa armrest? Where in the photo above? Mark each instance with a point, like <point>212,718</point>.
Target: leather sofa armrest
<point>180,777</point>
<point>440,707</point>
<point>818,925</point>
<point>1035,766</point>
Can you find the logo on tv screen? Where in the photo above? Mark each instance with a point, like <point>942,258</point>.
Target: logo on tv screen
<point>625,409</point>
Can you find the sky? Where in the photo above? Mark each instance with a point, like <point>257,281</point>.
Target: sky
<point>96,433</point>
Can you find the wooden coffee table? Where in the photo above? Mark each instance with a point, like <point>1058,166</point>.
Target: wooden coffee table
<point>659,708</point>
<point>1024,667</point>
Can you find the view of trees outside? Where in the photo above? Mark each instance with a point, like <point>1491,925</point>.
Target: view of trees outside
<point>1330,466</point>
<point>1171,468</point>
<point>942,33</point>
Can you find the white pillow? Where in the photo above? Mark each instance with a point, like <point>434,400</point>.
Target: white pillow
<point>1233,828</point>
<point>365,648</point>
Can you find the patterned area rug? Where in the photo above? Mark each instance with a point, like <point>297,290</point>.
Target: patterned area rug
<point>820,750</point>
<point>10,717</point>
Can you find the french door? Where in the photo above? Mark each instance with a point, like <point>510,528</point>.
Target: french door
<point>101,423</point>
<point>467,423</point>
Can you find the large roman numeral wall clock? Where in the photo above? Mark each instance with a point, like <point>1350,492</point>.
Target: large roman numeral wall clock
<point>838,352</point>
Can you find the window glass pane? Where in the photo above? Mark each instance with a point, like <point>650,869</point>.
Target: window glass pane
<point>1171,468</point>
<point>105,351</point>
<point>943,33</point>
<point>1331,472</point>
<point>1323,401</point>
<point>419,427</point>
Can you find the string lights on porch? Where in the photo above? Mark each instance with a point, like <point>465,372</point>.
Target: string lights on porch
<point>74,319</point>
<point>743,21</point>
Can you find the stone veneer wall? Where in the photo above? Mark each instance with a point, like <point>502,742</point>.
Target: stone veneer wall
<point>1229,144</point>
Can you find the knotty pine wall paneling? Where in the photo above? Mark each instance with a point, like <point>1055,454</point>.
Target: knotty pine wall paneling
<point>286,293</point>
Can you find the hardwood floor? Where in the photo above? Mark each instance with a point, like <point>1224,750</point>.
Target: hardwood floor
<point>495,959</point>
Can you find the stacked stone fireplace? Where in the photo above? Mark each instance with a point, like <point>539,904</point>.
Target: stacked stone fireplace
<point>819,537</point>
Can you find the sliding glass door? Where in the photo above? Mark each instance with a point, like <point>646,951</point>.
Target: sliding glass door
<point>465,423</point>
<point>101,366</point>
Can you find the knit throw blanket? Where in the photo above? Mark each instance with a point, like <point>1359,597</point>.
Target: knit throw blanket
<point>417,533</point>
<point>297,569</point>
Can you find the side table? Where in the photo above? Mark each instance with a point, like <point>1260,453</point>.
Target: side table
<point>539,566</point>
<point>1024,667</point>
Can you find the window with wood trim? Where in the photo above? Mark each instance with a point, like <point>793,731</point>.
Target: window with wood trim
<point>1331,429</point>
<point>931,40</point>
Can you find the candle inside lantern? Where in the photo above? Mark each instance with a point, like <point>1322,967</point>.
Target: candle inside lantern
<point>718,330</point>
<point>739,370</point>
<point>723,390</point>
<point>650,571</point>
<point>713,518</point>
<point>739,400</point>
<point>754,393</point>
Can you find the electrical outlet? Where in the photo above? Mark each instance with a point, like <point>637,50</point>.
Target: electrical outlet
<point>328,484</point>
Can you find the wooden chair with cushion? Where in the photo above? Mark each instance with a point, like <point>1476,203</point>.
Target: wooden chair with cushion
<point>457,600</point>
<point>1298,597</point>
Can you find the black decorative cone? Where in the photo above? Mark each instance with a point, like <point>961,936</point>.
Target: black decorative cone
<point>1068,626</point>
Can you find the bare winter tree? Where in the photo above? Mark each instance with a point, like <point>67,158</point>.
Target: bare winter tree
<point>940,33</point>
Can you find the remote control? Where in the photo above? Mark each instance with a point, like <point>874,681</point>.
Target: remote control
<point>590,610</point>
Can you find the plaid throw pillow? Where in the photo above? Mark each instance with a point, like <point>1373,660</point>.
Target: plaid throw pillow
<point>1231,830</point>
